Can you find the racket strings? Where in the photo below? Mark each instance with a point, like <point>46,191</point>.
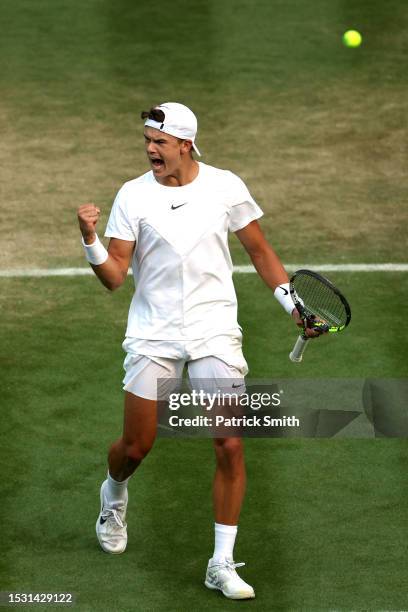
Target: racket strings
<point>320,300</point>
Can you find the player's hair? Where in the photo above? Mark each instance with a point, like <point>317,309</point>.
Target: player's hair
<point>154,113</point>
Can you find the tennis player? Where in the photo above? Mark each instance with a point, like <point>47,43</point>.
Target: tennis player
<point>171,224</point>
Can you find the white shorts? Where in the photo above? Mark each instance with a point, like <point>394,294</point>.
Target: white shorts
<point>221,367</point>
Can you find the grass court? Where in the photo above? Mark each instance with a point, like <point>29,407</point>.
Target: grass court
<point>318,132</point>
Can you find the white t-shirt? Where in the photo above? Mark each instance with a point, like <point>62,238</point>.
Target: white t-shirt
<point>181,264</point>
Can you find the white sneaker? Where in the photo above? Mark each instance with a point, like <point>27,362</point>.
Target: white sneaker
<point>221,576</point>
<point>111,525</point>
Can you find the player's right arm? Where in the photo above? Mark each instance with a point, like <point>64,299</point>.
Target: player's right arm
<point>113,271</point>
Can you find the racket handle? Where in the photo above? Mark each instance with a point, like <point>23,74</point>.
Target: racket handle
<point>297,353</point>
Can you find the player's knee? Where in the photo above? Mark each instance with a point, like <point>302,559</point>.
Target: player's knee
<point>229,448</point>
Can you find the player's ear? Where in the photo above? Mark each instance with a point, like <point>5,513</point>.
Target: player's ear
<point>186,147</point>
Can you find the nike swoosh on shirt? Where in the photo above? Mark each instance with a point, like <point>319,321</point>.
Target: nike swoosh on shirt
<point>173,207</point>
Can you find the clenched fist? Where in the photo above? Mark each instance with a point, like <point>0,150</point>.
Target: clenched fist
<point>88,215</point>
<point>309,330</point>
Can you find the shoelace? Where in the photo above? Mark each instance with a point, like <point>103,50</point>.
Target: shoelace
<point>111,514</point>
<point>227,564</point>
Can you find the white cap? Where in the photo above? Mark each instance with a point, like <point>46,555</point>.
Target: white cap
<point>179,121</point>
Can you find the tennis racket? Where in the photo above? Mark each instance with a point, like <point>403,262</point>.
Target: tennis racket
<point>320,304</point>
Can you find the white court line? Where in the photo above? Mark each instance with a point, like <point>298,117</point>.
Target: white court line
<point>385,267</point>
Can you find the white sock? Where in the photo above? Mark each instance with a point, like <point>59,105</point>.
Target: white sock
<point>115,492</point>
<point>224,541</point>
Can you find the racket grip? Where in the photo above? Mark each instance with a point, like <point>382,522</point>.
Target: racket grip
<point>297,353</point>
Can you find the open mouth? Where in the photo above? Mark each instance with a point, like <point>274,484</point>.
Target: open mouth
<point>157,163</point>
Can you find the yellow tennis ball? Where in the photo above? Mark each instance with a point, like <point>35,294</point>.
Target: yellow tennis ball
<point>352,38</point>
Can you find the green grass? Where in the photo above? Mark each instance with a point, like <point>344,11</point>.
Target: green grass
<point>322,522</point>
<point>374,338</point>
<point>318,132</point>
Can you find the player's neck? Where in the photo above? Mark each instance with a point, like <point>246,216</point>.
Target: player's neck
<point>185,174</point>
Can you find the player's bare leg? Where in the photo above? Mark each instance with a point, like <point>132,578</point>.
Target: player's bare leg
<point>139,433</point>
<point>229,481</point>
<point>228,493</point>
<point>125,455</point>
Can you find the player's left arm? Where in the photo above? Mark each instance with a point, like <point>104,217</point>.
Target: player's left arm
<point>267,263</point>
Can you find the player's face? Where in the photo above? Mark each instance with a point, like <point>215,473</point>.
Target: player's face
<point>164,152</point>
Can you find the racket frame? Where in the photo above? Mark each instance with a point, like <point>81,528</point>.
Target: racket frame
<point>297,353</point>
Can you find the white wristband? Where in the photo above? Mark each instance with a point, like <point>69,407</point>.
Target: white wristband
<point>95,253</point>
<point>282,294</point>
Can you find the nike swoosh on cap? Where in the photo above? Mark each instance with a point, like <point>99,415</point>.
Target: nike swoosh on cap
<point>173,207</point>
